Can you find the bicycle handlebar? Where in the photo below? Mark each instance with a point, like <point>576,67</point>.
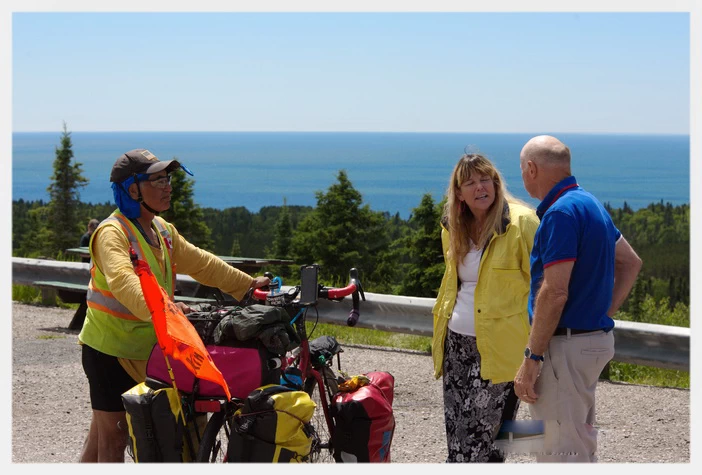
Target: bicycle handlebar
<point>354,288</point>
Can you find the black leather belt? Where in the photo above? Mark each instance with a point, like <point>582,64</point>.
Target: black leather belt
<point>573,331</point>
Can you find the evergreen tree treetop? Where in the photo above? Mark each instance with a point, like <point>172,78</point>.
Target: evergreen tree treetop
<point>63,227</point>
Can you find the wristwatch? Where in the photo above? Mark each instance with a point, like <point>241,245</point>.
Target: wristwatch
<point>529,354</point>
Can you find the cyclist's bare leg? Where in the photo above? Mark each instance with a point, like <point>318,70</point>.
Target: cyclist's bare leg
<point>111,434</point>
<point>89,454</point>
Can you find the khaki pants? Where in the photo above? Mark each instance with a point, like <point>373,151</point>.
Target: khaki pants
<point>566,389</point>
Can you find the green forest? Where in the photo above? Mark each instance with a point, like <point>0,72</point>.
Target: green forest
<point>394,255</point>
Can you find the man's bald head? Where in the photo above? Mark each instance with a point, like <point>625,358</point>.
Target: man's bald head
<point>544,161</point>
<point>548,151</point>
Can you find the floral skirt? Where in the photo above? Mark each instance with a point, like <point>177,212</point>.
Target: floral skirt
<point>474,408</point>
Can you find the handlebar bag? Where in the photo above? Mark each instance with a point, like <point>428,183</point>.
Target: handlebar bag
<point>244,368</point>
<point>273,426</point>
<point>269,325</point>
<point>365,423</point>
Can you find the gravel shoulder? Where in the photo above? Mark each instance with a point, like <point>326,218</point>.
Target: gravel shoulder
<point>51,409</point>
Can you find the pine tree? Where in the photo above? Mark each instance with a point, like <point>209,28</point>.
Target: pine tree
<point>423,275</point>
<point>283,234</point>
<point>184,214</point>
<point>236,248</point>
<point>635,300</point>
<point>341,233</point>
<point>63,228</point>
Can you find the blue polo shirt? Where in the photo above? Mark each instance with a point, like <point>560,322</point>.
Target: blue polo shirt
<point>576,227</point>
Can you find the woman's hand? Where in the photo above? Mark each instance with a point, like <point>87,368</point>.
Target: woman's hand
<point>260,282</point>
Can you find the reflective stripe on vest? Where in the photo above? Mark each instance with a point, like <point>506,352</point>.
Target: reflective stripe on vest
<point>106,302</point>
<point>99,296</point>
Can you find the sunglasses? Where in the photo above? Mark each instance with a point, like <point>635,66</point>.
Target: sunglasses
<point>161,182</point>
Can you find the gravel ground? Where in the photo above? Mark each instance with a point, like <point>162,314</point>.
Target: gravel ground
<point>51,410</point>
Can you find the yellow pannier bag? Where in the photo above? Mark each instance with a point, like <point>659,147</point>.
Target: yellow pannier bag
<point>272,426</point>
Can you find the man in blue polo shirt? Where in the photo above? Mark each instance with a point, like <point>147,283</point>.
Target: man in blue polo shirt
<point>582,270</point>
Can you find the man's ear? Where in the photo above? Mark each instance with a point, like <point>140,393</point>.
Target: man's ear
<point>133,191</point>
<point>532,169</point>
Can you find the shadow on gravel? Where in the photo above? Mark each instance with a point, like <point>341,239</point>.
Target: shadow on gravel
<point>60,330</point>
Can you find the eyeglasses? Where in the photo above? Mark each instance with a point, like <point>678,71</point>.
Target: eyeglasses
<point>161,182</point>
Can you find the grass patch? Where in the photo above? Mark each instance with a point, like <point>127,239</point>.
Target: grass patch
<point>636,374</point>
<point>26,294</point>
<point>367,336</point>
<point>32,295</point>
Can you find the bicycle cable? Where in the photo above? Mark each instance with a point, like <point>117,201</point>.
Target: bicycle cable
<point>309,336</point>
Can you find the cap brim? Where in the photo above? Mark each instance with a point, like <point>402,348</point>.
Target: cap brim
<point>168,165</point>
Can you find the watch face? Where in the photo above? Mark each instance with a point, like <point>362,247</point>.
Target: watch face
<point>527,353</point>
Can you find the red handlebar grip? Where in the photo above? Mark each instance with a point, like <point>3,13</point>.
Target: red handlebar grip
<point>342,292</point>
<point>260,294</point>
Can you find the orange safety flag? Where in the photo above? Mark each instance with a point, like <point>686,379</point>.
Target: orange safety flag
<point>176,336</point>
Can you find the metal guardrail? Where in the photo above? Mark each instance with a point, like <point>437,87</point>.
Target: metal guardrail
<point>645,344</point>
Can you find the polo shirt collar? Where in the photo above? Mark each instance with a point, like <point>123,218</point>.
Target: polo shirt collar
<point>554,194</point>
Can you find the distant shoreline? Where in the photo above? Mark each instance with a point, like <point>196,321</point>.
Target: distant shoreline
<point>392,171</point>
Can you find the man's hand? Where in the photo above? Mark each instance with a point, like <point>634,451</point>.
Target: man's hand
<point>184,307</point>
<point>525,380</point>
<point>260,282</point>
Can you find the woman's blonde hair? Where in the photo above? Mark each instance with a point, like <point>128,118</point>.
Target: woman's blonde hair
<point>460,221</point>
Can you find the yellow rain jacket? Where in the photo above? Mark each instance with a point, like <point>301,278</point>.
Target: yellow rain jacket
<point>501,295</point>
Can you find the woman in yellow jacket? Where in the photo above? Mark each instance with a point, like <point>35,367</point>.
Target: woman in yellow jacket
<point>481,324</point>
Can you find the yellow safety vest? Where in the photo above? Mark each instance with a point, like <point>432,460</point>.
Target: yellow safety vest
<point>109,326</point>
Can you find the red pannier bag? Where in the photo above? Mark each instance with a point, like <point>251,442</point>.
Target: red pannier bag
<point>244,369</point>
<point>364,419</point>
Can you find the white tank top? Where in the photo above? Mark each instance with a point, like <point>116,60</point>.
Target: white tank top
<point>462,320</point>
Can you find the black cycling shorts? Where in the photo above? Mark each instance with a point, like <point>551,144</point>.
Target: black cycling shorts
<point>107,379</point>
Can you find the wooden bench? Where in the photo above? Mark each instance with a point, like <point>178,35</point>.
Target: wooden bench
<point>76,293</point>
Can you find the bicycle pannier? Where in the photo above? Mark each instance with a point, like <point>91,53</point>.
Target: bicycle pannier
<point>244,369</point>
<point>156,427</point>
<point>272,426</point>
<point>364,418</point>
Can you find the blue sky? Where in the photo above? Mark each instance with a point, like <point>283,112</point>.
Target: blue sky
<point>399,71</point>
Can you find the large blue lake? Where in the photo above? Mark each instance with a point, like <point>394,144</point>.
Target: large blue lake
<point>391,170</point>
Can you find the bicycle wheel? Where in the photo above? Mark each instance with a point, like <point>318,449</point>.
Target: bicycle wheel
<point>215,439</point>
<point>322,448</point>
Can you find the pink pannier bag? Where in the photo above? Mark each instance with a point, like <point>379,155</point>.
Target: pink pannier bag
<point>244,369</point>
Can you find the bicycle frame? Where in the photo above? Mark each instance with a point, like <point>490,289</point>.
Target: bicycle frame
<point>305,366</point>
<point>222,409</point>
<point>297,312</point>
